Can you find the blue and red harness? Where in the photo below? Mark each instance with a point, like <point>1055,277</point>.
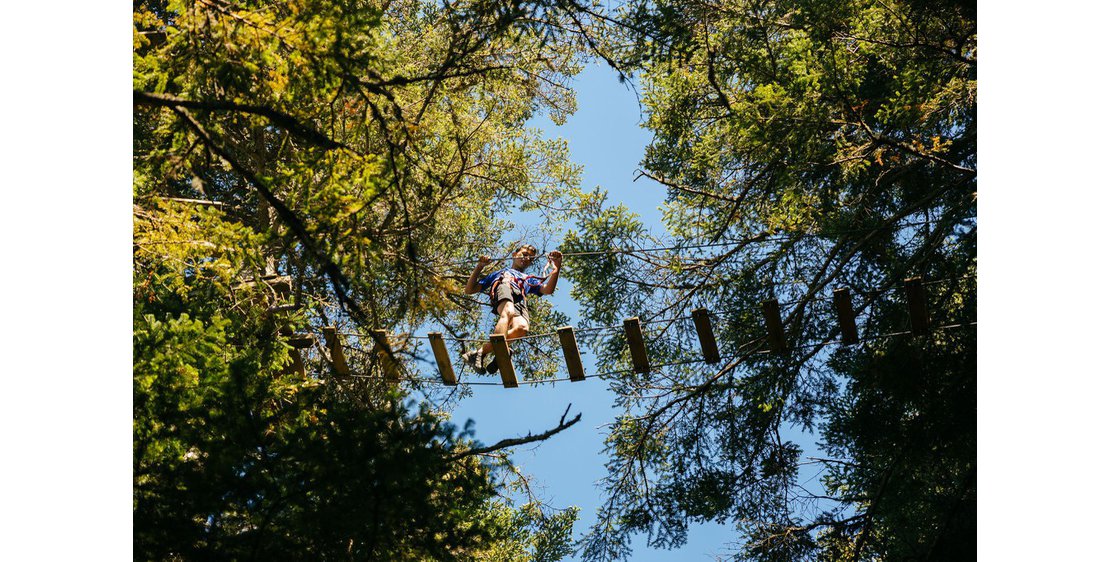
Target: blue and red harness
<point>520,282</point>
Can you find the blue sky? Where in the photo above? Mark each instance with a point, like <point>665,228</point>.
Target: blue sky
<point>604,136</point>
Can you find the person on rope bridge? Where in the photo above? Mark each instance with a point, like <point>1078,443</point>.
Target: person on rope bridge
<point>508,291</point>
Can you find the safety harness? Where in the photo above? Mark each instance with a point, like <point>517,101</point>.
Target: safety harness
<point>520,283</point>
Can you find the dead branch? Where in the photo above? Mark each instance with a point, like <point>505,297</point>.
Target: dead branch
<point>516,441</point>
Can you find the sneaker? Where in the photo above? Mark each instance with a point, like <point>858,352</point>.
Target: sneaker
<point>488,364</point>
<point>474,359</point>
<point>492,368</point>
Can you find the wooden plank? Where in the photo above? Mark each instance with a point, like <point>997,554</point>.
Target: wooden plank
<point>915,301</point>
<point>385,356</point>
<point>335,350</point>
<point>182,199</point>
<point>504,362</point>
<point>635,337</point>
<point>281,284</point>
<point>302,341</point>
<point>296,366</point>
<point>443,359</point>
<point>156,38</point>
<point>842,302</point>
<point>772,316</point>
<point>570,352</point>
<point>282,308</point>
<point>705,336</point>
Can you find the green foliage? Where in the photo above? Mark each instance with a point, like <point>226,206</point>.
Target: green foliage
<point>232,465</point>
<point>806,146</point>
<point>533,535</point>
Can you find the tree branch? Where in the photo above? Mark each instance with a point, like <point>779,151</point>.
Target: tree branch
<point>283,120</point>
<point>515,441</point>
<point>667,183</point>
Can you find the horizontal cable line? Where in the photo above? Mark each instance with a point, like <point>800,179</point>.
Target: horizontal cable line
<point>407,335</point>
<point>595,375</point>
<point>949,280</point>
<point>411,336</point>
<point>195,201</point>
<point>207,243</point>
<point>592,329</point>
<point>566,379</point>
<point>660,320</point>
<point>881,336</point>
<point>892,288</point>
<point>825,299</point>
<point>533,336</point>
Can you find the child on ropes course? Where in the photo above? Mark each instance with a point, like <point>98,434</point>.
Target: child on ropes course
<point>508,291</point>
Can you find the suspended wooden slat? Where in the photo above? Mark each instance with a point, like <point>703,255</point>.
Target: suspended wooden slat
<point>443,359</point>
<point>504,362</point>
<point>296,366</point>
<point>570,352</point>
<point>635,337</point>
<point>385,356</point>
<point>278,309</point>
<point>773,319</point>
<point>156,38</point>
<point>301,341</point>
<point>705,336</point>
<point>335,350</point>
<point>281,284</point>
<point>915,301</point>
<point>842,301</point>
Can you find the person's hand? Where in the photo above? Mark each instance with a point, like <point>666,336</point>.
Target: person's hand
<point>483,261</point>
<point>556,258</point>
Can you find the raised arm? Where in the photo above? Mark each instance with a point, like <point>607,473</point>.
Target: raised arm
<point>556,258</point>
<point>472,285</point>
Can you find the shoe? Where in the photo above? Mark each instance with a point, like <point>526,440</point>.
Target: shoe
<point>492,368</point>
<point>488,364</point>
<point>474,359</point>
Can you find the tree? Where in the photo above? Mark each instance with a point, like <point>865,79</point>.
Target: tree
<point>307,164</point>
<point>806,146</point>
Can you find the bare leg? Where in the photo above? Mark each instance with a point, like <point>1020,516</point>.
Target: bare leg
<point>507,319</point>
<point>518,328</point>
